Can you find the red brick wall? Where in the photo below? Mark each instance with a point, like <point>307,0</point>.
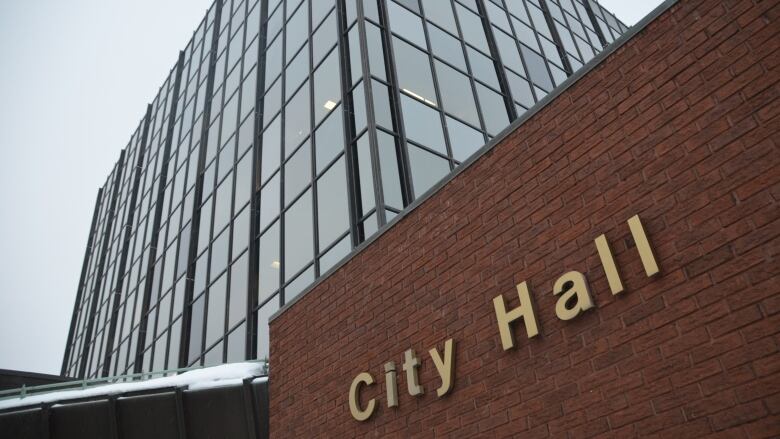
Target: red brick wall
<point>680,126</point>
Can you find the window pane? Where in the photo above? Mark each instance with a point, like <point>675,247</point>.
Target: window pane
<point>216,315</point>
<point>297,30</point>
<point>263,314</point>
<point>297,172</point>
<point>240,232</point>
<point>298,236</point>
<point>296,119</point>
<point>222,207</point>
<point>236,344</point>
<point>440,13</point>
<point>238,290</point>
<point>507,47</point>
<point>196,330</point>
<point>456,93</point>
<point>376,51</point>
<point>299,284</point>
<point>365,175</point>
<point>243,180</point>
<point>414,72</point>
<point>296,72</point>
<point>335,254</point>
<point>329,138</point>
<point>269,262</point>
<point>423,124</point>
<point>406,24</point>
<point>447,47</point>
<point>493,110</point>
<point>521,91</point>
<point>333,210</point>
<point>473,31</point>
<point>382,105</point>
<point>463,139</point>
<point>269,202</point>
<point>272,102</point>
<point>327,88</point>
<point>388,163</point>
<point>219,254</point>
<point>427,169</point>
<point>271,149</point>
<point>324,38</point>
<point>483,68</point>
<point>536,68</point>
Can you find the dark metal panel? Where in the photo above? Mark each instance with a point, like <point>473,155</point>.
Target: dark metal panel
<point>88,420</point>
<point>148,416</point>
<point>25,424</point>
<point>261,400</point>
<point>216,413</point>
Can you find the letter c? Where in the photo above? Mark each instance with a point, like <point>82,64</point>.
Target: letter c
<point>354,397</point>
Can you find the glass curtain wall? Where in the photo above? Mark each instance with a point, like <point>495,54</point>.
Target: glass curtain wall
<point>288,133</point>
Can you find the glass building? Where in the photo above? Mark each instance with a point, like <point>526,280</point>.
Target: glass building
<point>286,134</point>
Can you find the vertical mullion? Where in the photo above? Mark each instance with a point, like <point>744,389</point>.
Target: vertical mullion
<point>346,109</point>
<point>109,218</point>
<point>253,262</point>
<point>148,284</point>
<point>80,291</point>
<point>556,38</point>
<point>313,146</point>
<point>282,147</point>
<point>594,22</point>
<point>198,195</point>
<point>407,186</point>
<point>373,144</point>
<point>498,64</point>
<point>126,240</point>
<point>470,71</point>
<point>437,91</point>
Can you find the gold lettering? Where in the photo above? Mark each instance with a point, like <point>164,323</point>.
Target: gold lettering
<point>524,311</point>
<point>354,397</point>
<point>391,384</point>
<point>643,245</point>
<point>444,367</point>
<point>608,262</point>
<point>572,284</point>
<point>411,362</point>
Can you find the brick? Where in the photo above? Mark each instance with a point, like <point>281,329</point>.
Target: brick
<point>678,126</point>
<point>737,415</point>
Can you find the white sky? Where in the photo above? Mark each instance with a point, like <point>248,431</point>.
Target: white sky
<point>75,80</point>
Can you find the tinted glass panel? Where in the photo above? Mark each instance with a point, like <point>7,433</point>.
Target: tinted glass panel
<point>333,211</point>
<point>423,124</point>
<point>298,235</point>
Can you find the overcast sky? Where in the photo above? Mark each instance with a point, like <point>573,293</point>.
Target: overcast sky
<point>75,80</point>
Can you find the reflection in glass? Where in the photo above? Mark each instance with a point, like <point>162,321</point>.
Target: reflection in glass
<point>423,124</point>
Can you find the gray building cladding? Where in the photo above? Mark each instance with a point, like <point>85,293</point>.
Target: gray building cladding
<point>286,134</point>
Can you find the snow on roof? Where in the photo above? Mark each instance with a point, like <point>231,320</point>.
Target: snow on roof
<point>209,377</point>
